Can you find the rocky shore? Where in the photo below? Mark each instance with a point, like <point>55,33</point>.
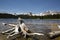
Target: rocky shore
<point>18,37</point>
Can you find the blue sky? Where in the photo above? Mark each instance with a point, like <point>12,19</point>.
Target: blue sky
<point>34,6</point>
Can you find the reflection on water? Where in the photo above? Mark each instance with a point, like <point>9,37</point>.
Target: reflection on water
<point>36,25</point>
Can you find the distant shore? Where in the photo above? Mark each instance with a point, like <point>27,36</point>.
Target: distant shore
<point>7,15</point>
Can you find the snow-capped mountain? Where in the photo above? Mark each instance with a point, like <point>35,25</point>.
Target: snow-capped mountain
<point>50,13</point>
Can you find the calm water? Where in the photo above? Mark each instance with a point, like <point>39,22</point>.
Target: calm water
<point>36,25</point>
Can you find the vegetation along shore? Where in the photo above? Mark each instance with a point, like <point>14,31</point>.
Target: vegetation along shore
<point>7,15</point>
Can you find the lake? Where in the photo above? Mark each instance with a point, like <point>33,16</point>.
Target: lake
<point>36,25</point>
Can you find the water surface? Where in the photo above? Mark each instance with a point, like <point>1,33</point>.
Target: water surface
<point>38,25</point>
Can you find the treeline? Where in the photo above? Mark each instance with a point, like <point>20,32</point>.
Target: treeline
<point>55,16</point>
<point>6,15</point>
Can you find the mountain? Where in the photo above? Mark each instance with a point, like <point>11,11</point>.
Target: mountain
<point>50,12</point>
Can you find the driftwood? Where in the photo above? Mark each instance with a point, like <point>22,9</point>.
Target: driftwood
<point>19,28</point>
<point>54,34</point>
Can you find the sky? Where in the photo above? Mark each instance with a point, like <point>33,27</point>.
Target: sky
<point>34,6</point>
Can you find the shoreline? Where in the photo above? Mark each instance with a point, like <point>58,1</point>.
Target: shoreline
<point>3,37</point>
